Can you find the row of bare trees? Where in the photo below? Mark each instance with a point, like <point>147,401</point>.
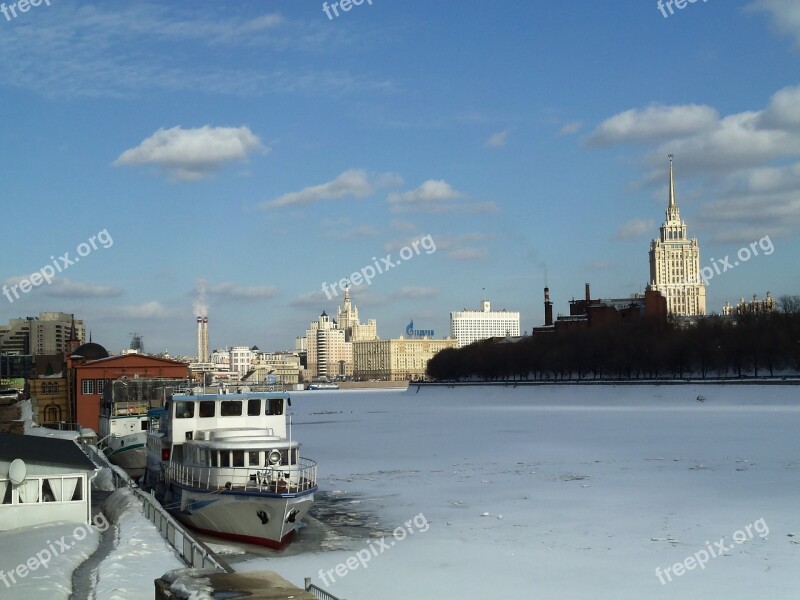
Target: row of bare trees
<point>747,346</point>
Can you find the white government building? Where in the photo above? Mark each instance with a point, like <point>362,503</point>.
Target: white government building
<point>675,263</point>
<point>468,326</point>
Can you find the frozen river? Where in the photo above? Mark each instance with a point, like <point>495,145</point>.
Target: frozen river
<point>552,492</point>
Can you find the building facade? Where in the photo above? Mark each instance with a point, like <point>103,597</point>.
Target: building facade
<point>467,326</point>
<point>675,263</point>
<point>329,354</point>
<point>46,334</point>
<point>329,342</point>
<point>90,379</point>
<point>402,359</point>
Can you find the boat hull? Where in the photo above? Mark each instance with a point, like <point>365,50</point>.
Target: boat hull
<point>255,518</point>
<point>128,452</point>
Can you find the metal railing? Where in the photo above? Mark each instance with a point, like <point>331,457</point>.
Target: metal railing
<point>276,480</point>
<point>318,591</point>
<point>193,553</point>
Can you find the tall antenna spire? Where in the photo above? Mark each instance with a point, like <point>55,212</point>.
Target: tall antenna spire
<point>671,184</point>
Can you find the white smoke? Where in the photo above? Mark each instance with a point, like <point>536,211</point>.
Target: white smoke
<point>200,306</point>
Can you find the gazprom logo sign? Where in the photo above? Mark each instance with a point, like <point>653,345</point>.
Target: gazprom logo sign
<point>411,332</point>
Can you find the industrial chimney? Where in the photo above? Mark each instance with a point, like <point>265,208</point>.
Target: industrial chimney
<point>199,339</point>
<point>548,308</point>
<point>205,339</point>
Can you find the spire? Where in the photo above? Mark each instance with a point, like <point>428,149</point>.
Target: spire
<point>671,185</point>
<point>347,293</point>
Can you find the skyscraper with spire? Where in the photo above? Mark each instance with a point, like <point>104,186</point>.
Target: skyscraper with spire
<point>675,263</point>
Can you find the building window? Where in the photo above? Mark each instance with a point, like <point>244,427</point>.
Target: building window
<point>101,385</point>
<point>87,386</point>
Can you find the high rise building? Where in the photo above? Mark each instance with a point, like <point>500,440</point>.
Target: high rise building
<point>329,342</point>
<point>469,326</point>
<point>43,335</point>
<point>347,321</point>
<point>329,354</point>
<point>675,263</point>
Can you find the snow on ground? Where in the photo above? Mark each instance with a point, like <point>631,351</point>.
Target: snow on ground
<point>558,492</point>
<point>37,562</point>
<point>141,555</point>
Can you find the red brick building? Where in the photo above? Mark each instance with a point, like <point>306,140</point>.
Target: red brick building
<point>90,378</point>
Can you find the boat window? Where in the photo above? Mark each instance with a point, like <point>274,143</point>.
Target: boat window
<point>225,459</point>
<point>253,459</point>
<point>184,410</point>
<point>285,456</point>
<point>253,407</point>
<point>214,462</point>
<point>231,408</point>
<point>238,458</point>
<point>275,406</point>
<point>145,424</point>
<point>207,408</point>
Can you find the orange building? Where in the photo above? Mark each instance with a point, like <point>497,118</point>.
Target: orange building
<point>90,378</point>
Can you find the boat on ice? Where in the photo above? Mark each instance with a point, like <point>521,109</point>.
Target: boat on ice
<point>226,465</point>
<point>124,420</point>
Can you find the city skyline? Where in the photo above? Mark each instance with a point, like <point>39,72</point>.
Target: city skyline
<point>239,161</point>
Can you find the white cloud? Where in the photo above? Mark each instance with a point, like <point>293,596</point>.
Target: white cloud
<point>61,287</point>
<point>497,140</point>
<point>467,253</point>
<point>570,128</point>
<point>146,310</point>
<point>653,123</point>
<point>635,228</point>
<point>748,235</point>
<point>785,15</point>
<point>361,231</point>
<point>432,190</point>
<point>230,290</point>
<point>436,196</point>
<point>354,183</point>
<point>190,154</point>
<point>412,292</point>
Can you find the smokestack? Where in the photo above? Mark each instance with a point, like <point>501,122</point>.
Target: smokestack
<point>205,339</point>
<point>548,307</point>
<point>199,339</point>
<point>588,296</point>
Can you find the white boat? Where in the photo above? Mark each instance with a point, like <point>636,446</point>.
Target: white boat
<point>223,464</point>
<point>124,422</point>
<point>323,386</point>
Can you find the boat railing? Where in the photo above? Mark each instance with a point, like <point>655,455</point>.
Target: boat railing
<point>277,479</point>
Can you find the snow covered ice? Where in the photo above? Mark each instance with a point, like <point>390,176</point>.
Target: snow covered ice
<point>547,492</point>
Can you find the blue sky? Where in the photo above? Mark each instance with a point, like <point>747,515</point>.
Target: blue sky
<point>242,154</point>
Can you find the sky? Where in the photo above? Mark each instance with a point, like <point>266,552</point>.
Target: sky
<point>236,159</point>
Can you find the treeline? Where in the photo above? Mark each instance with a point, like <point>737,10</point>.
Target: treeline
<point>752,346</point>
